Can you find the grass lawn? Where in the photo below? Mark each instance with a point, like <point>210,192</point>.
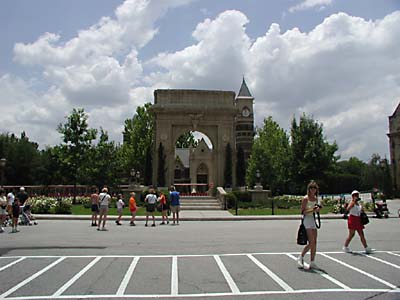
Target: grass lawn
<point>81,210</point>
<point>277,211</point>
<point>141,211</point>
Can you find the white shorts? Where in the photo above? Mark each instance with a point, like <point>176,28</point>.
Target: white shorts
<point>3,211</point>
<point>309,222</point>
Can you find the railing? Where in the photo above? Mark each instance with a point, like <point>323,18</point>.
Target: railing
<point>221,196</point>
<point>193,189</point>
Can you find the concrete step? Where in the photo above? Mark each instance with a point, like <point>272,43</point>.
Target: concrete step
<point>200,208</point>
<point>199,201</point>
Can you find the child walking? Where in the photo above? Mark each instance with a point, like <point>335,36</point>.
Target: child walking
<point>120,207</point>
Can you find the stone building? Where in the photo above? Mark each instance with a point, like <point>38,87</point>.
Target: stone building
<point>223,118</point>
<point>394,144</point>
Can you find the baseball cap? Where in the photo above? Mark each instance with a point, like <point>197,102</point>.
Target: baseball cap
<point>355,192</point>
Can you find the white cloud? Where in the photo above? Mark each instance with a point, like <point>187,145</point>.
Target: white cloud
<point>221,49</point>
<point>87,68</point>
<point>344,73</point>
<point>307,4</point>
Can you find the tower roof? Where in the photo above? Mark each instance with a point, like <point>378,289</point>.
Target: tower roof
<point>244,90</point>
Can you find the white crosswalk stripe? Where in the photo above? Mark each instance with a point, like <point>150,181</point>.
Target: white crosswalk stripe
<point>11,267</point>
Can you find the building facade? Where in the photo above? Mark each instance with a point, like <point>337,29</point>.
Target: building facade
<point>222,117</point>
<point>394,145</point>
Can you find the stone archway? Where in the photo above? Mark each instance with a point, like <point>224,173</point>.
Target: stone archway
<point>180,111</point>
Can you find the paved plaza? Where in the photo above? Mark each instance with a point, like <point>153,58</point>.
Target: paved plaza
<point>68,259</point>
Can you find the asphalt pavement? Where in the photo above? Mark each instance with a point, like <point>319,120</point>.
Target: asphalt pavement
<point>255,259</point>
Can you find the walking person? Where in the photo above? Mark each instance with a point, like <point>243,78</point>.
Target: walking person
<point>3,210</point>
<point>120,208</point>
<point>104,199</point>
<point>354,209</point>
<point>175,205</point>
<point>15,215</point>
<point>310,206</point>
<point>10,201</point>
<point>132,209</point>
<point>94,200</point>
<point>164,208</point>
<point>150,200</point>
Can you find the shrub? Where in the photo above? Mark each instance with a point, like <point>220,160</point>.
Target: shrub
<point>48,205</point>
<point>230,200</point>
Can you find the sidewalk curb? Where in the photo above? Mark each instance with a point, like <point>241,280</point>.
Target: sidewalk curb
<point>194,218</point>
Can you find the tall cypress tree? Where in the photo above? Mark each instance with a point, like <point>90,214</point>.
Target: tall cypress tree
<point>161,166</point>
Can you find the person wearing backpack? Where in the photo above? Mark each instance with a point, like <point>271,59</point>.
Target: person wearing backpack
<point>150,200</point>
<point>104,199</point>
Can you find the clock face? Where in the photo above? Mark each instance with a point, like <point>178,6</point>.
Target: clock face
<point>245,112</point>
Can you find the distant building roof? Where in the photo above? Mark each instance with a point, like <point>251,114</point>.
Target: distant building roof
<point>244,90</point>
<point>183,154</point>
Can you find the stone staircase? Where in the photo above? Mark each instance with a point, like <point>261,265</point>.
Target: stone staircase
<point>199,203</point>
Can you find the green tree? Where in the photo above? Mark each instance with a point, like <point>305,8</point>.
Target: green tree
<point>345,176</point>
<point>103,167</point>
<point>77,140</point>
<point>271,156</point>
<point>138,138</point>
<point>186,140</point>
<point>228,166</point>
<point>311,154</point>
<point>23,159</point>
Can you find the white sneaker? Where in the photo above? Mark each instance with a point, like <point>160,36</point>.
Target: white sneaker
<point>300,262</point>
<point>313,266</point>
<point>346,249</point>
<point>368,250</point>
<point>1,229</point>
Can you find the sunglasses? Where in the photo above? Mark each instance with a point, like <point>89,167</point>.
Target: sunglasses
<point>313,187</point>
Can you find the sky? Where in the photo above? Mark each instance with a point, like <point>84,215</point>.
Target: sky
<point>334,60</point>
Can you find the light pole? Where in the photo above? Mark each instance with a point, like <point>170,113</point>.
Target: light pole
<point>138,177</point>
<point>3,163</point>
<point>133,172</point>
<point>382,164</point>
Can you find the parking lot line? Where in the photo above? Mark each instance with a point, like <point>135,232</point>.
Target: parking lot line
<point>128,275</point>
<point>326,276</point>
<point>392,286</point>
<point>29,279</point>
<point>228,277</point>
<point>76,277</point>
<point>174,293</point>
<point>12,263</point>
<point>174,276</point>
<point>383,261</point>
<point>271,274</point>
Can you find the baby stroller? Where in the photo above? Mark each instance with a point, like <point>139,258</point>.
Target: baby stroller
<point>25,217</point>
<point>381,210</point>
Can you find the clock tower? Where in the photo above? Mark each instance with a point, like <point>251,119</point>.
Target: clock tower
<point>244,127</point>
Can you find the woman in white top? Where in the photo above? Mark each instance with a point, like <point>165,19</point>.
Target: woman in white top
<point>354,223</point>
<point>104,199</point>
<point>309,206</point>
<point>3,210</point>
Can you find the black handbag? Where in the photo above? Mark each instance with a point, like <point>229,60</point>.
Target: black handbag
<point>302,234</point>
<point>364,218</point>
